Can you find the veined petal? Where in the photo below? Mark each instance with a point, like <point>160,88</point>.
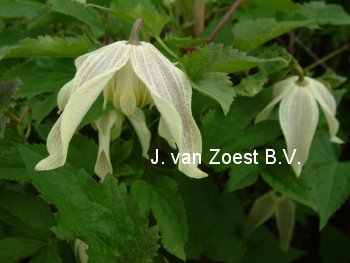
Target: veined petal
<point>138,121</point>
<point>104,125</point>
<point>298,115</point>
<point>109,58</point>
<point>127,101</point>
<point>61,133</point>
<point>78,104</point>
<point>328,106</point>
<point>118,125</point>
<point>171,93</point>
<point>80,60</point>
<point>57,156</point>
<point>280,90</point>
<point>164,132</point>
<point>63,95</point>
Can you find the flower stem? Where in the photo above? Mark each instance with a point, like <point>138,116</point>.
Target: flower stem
<point>134,34</point>
<point>300,72</point>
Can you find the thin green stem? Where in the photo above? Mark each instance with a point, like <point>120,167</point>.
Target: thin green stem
<point>167,49</point>
<point>90,36</point>
<point>300,71</point>
<point>327,57</point>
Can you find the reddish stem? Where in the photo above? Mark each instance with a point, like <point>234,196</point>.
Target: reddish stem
<point>224,20</point>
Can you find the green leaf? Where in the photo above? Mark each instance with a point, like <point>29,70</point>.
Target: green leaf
<point>207,67</point>
<point>13,249</point>
<point>321,13</point>
<point>41,75</point>
<point>234,133</point>
<point>327,179</point>
<point>45,46</point>
<point>242,176</point>
<point>283,179</point>
<point>162,197</point>
<point>271,52</point>
<point>334,245</point>
<point>215,221</point>
<point>2,26</point>
<point>77,10</point>
<point>239,61</point>
<point>129,11</point>
<point>264,8</point>
<point>121,4</point>
<point>219,87</point>
<point>27,213</point>
<point>16,8</point>
<point>11,165</point>
<point>104,215</point>
<point>250,34</point>
<point>252,84</point>
<point>42,106</point>
<point>48,254</point>
<point>263,248</point>
<point>154,21</point>
<point>332,79</point>
<point>83,153</point>
<point>217,58</point>
<point>330,187</point>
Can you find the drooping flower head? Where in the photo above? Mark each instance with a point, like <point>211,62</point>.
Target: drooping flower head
<point>298,114</point>
<point>130,74</point>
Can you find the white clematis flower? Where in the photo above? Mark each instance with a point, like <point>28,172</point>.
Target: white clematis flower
<point>298,114</point>
<point>130,74</point>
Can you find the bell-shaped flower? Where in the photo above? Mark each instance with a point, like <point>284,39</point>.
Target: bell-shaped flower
<point>299,114</point>
<point>130,74</point>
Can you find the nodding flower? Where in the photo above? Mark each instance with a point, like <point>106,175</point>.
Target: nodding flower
<point>298,114</point>
<point>130,74</point>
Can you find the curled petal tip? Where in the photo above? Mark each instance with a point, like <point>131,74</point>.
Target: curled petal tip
<point>138,121</point>
<point>171,93</point>
<point>335,139</point>
<point>192,171</point>
<point>280,90</point>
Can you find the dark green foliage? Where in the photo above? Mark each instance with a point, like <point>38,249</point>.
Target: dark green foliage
<point>153,213</point>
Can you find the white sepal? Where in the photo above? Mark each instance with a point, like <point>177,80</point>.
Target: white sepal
<point>88,85</point>
<point>171,93</point>
<point>164,132</point>
<point>64,94</point>
<point>280,90</point>
<point>138,121</point>
<point>298,115</point>
<point>104,125</point>
<point>118,125</point>
<point>328,106</point>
